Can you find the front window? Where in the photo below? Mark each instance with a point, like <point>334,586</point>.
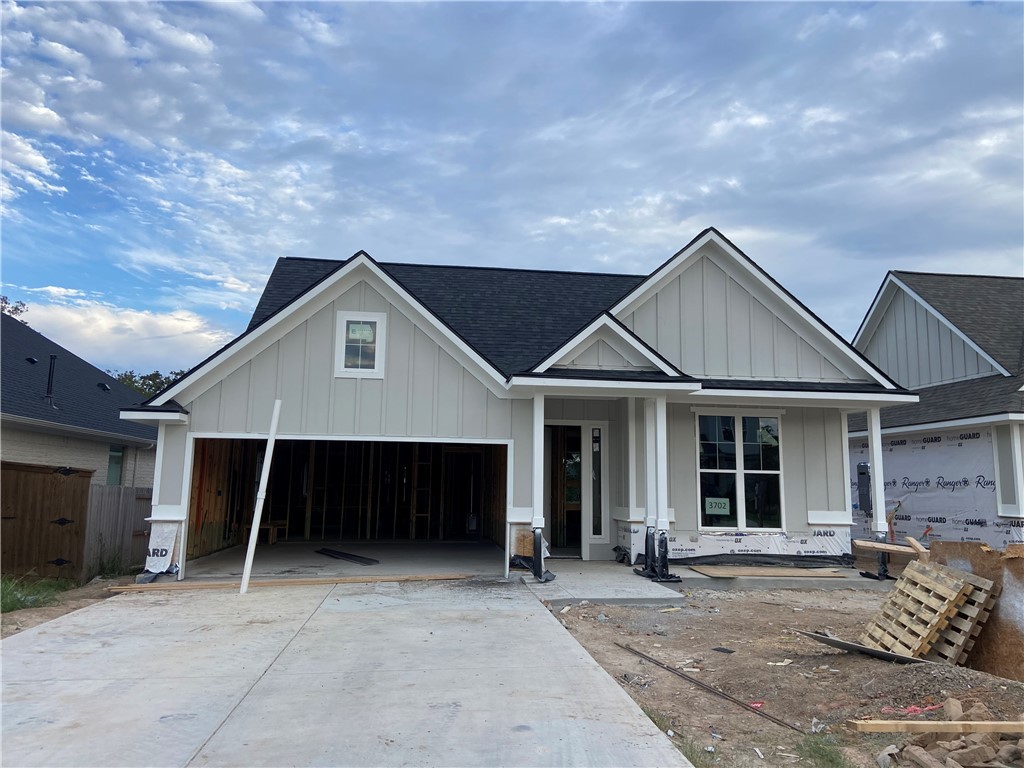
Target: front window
<point>359,348</point>
<point>740,472</point>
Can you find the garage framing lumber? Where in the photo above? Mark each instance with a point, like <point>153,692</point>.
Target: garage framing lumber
<point>184,586</point>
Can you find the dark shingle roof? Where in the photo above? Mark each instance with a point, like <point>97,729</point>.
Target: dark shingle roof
<point>989,310</point>
<point>513,317</point>
<point>968,399</point>
<point>80,402</point>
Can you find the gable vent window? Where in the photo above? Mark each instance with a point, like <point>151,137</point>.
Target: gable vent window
<point>359,344</point>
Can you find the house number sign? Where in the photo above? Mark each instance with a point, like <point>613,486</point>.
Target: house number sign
<point>716,507</point>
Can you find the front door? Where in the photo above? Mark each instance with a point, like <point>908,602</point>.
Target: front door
<point>576,508</point>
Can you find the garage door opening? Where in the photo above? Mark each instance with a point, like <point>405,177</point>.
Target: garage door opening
<point>347,491</point>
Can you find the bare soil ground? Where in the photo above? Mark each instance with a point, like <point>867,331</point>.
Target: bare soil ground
<point>818,689</point>
<point>70,600</point>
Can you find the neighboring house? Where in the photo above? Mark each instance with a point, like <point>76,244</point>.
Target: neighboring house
<point>60,434</point>
<point>702,404</point>
<point>953,464</point>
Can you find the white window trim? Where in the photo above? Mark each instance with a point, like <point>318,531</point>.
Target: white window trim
<point>377,372</point>
<point>741,507</point>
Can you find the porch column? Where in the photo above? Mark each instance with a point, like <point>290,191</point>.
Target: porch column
<point>661,460</point>
<point>880,525</point>
<point>538,461</point>
<point>651,462</point>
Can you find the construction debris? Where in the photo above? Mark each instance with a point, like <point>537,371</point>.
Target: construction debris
<point>985,742</point>
<point>933,613</point>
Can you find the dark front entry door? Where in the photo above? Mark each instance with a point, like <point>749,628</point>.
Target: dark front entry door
<point>566,458</point>
<point>463,494</point>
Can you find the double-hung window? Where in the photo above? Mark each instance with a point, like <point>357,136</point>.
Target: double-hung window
<point>359,344</point>
<point>740,472</point>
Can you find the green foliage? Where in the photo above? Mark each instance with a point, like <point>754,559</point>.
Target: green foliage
<point>26,592</point>
<point>108,562</point>
<point>691,750</point>
<point>147,384</point>
<point>823,752</point>
<point>12,308</point>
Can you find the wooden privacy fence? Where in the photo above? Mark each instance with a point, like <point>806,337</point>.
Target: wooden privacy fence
<point>56,524</point>
<point>117,533</point>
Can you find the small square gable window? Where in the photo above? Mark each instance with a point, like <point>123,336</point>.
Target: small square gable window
<point>359,344</point>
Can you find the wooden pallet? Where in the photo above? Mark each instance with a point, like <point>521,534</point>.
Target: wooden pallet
<point>957,639</point>
<point>921,605</point>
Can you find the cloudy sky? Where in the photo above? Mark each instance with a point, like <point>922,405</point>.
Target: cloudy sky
<point>157,159</point>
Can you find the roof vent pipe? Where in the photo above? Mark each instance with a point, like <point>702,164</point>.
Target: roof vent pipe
<point>49,381</point>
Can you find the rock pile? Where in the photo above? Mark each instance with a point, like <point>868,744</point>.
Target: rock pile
<point>971,750</point>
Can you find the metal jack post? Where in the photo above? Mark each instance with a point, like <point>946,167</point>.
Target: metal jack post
<point>539,572</point>
<point>650,556</point>
<point>866,506</point>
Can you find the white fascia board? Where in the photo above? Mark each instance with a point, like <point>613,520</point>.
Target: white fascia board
<point>143,416</point>
<point>637,295</point>
<point>578,342</point>
<point>942,319</point>
<point>841,399</point>
<point>875,312</point>
<point>281,317</point>
<point>634,298</point>
<point>977,421</point>
<point>526,385</point>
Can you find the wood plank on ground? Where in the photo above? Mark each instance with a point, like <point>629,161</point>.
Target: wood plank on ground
<point>174,586</point>
<point>881,546</point>
<point>937,726</point>
<point>734,571</point>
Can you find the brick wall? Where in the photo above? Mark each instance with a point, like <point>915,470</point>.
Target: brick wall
<point>27,447</point>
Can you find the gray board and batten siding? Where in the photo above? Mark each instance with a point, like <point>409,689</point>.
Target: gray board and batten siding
<point>918,349</point>
<point>425,393</point>
<point>713,320</point>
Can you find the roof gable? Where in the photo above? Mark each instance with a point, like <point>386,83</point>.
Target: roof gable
<point>283,318</point>
<point>987,310</point>
<point>84,397</point>
<point>607,344</point>
<point>713,312</point>
<point>512,317</point>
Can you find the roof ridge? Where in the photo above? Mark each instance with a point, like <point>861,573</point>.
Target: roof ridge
<point>956,274</point>
<point>509,269</point>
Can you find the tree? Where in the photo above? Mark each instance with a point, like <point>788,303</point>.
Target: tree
<point>147,384</point>
<point>14,309</point>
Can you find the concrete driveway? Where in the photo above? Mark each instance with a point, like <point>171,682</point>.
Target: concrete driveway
<point>471,673</point>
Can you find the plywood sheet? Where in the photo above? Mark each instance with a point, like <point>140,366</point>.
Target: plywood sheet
<point>999,647</point>
<point>734,571</point>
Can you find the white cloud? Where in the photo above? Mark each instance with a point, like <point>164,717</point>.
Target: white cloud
<point>737,115</point>
<point>121,338</point>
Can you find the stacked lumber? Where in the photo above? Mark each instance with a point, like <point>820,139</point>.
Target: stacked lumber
<point>966,739</point>
<point>933,612</point>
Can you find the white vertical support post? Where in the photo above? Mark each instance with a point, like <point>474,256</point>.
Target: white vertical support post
<point>261,496</point>
<point>880,524</point>
<point>538,461</point>
<point>661,459</point>
<point>631,501</point>
<point>651,462</point>
<point>1017,464</point>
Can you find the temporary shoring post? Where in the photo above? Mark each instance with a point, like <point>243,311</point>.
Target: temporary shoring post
<point>261,495</point>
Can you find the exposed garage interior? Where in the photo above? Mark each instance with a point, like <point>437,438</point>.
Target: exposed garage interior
<point>347,491</point>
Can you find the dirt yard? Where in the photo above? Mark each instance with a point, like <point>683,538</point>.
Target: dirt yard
<point>804,683</point>
<point>70,600</point>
